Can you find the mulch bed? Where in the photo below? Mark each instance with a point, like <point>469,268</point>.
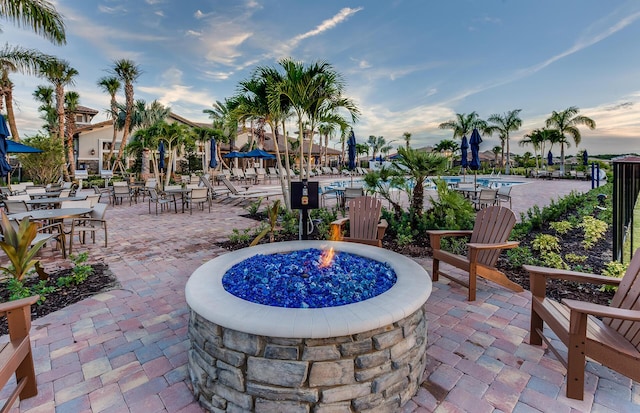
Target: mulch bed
<point>101,280</point>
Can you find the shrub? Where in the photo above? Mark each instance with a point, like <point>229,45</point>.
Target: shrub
<point>614,269</point>
<point>520,256</point>
<point>561,227</point>
<point>545,244</point>
<point>594,230</point>
<point>17,246</point>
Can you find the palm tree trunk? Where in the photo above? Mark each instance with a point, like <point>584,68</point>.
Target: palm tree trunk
<point>11,118</point>
<point>508,166</point>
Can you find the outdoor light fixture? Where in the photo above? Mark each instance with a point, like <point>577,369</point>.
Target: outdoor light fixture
<point>93,151</point>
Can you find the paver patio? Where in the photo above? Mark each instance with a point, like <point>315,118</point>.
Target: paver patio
<point>126,350</point>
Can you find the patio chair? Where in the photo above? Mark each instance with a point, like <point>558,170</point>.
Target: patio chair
<point>15,206</point>
<point>485,198</point>
<point>365,225</point>
<point>101,191</point>
<point>161,200</point>
<point>504,195</point>
<point>16,354</point>
<point>94,223</point>
<point>488,238</point>
<point>198,196</point>
<point>48,232</point>
<point>120,193</point>
<point>606,334</point>
<point>351,193</point>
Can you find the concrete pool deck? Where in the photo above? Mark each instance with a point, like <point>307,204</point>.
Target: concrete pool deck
<point>125,350</point>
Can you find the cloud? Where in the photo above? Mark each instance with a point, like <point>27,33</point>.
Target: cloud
<point>171,91</point>
<point>112,10</point>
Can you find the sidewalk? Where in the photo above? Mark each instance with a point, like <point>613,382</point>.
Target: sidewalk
<point>126,350</point>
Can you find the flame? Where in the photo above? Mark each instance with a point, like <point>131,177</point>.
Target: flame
<point>326,258</point>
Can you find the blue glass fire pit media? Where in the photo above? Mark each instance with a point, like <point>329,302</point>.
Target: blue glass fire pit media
<point>302,279</point>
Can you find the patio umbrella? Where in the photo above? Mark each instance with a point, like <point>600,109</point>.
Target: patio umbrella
<point>259,153</point>
<point>351,143</point>
<point>585,158</point>
<point>549,158</point>
<point>5,168</point>
<point>474,144</point>
<point>161,161</point>
<point>213,162</point>
<point>17,147</point>
<point>464,162</point>
<point>233,154</point>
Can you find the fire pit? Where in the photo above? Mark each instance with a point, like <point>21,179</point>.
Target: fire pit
<point>353,357</point>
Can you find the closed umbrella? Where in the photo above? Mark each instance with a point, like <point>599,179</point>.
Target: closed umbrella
<point>549,158</point>
<point>585,158</point>
<point>351,143</point>
<point>213,161</point>
<point>464,162</point>
<point>5,168</point>
<point>161,161</point>
<point>474,144</point>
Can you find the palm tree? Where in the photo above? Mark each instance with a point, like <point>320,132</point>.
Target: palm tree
<point>377,144</point>
<point>71,102</point>
<point>448,147</point>
<point>224,119</point>
<point>128,72</point>
<point>111,85</point>
<point>496,151</point>
<point>419,165</point>
<point>407,139</point>
<point>537,139</point>
<point>45,21</point>
<point>464,124</point>
<point>40,15</point>
<point>503,124</point>
<point>566,122</point>
<point>311,92</point>
<point>44,95</point>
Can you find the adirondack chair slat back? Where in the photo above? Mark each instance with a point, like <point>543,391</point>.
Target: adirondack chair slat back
<point>364,216</point>
<point>493,225</point>
<point>628,297</point>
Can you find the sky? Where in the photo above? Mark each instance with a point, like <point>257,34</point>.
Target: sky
<point>409,65</point>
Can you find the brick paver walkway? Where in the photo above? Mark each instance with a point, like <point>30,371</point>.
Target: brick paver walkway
<point>126,350</point>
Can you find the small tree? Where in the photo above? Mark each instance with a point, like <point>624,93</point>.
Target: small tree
<point>43,167</point>
<point>17,246</point>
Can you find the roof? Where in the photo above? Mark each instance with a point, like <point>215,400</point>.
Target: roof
<point>84,109</point>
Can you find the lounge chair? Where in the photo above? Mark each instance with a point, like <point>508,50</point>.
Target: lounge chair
<point>606,334</point>
<point>235,193</point>
<point>213,192</point>
<point>488,238</point>
<point>365,225</point>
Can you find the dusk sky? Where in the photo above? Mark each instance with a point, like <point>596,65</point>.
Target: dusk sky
<point>408,64</point>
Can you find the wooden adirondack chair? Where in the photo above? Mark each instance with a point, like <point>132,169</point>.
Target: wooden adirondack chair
<point>488,238</point>
<point>613,341</point>
<point>365,225</point>
<point>15,356</point>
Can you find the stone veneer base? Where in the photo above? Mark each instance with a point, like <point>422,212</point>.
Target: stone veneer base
<point>374,363</point>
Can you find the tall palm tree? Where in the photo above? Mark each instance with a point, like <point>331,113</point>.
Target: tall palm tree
<point>566,122</point>
<point>536,139</point>
<point>128,72</point>
<point>71,102</point>
<point>407,139</point>
<point>111,85</point>
<point>503,124</point>
<point>496,151</point>
<point>44,20</point>
<point>311,92</point>
<point>61,74</point>
<point>463,124</point>
<point>224,119</point>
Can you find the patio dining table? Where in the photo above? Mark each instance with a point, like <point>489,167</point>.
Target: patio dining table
<point>51,214</point>
<point>53,202</point>
<point>49,194</point>
<point>179,191</point>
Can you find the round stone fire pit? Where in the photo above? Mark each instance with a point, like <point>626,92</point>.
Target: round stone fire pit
<point>356,357</point>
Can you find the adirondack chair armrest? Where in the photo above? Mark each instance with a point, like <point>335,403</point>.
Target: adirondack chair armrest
<point>449,233</point>
<point>495,246</point>
<point>14,305</point>
<point>337,229</point>
<point>382,228</point>
<point>599,310</point>
<point>546,272</point>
